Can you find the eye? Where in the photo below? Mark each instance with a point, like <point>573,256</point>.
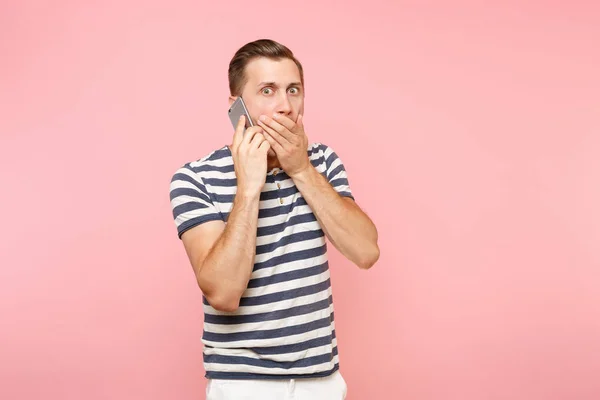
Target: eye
<point>294,90</point>
<point>267,91</point>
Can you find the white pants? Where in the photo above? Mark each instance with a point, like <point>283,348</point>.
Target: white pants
<point>331,387</point>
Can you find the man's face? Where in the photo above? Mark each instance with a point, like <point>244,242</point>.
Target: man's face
<point>273,87</point>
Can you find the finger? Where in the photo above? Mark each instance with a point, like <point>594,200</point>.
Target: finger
<point>274,144</point>
<point>264,147</point>
<point>271,123</point>
<point>300,122</point>
<point>250,133</point>
<point>257,141</point>
<point>239,131</point>
<point>284,120</point>
<point>282,140</point>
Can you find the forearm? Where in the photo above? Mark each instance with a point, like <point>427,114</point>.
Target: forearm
<point>228,266</point>
<point>348,228</point>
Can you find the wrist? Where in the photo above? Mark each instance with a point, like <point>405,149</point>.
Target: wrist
<point>303,174</point>
<point>246,194</point>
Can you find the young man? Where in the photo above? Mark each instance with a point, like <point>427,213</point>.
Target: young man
<point>253,217</point>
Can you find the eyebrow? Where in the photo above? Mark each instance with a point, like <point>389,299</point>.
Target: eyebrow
<point>275,84</point>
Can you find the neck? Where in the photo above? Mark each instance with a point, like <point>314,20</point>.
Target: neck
<point>272,162</point>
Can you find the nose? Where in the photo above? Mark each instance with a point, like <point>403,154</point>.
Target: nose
<point>284,106</point>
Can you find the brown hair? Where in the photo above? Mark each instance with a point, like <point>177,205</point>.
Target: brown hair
<point>259,48</point>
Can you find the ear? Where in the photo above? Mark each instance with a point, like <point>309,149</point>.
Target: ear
<point>232,99</point>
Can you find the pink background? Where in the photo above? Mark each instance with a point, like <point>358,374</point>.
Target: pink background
<point>471,134</point>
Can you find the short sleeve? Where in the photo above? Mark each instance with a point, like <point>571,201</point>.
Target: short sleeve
<point>336,173</point>
<point>191,202</point>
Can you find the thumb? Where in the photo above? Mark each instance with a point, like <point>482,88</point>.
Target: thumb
<point>300,121</point>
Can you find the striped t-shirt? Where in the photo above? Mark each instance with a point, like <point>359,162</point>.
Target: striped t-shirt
<point>284,326</point>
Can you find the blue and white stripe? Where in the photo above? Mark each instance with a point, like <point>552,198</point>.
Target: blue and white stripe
<point>284,326</point>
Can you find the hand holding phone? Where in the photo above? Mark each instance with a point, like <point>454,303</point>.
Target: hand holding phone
<point>249,151</point>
